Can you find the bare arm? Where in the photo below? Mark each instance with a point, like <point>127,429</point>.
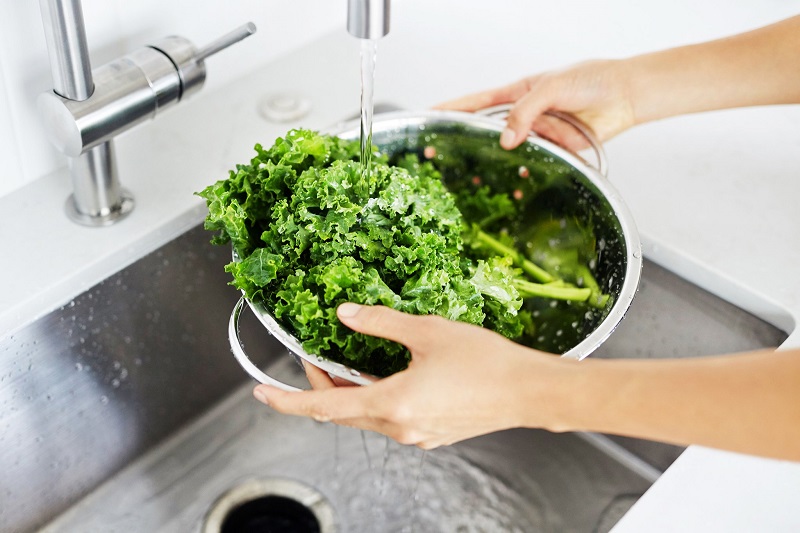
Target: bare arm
<point>465,381</point>
<point>747,402</point>
<point>759,67</point>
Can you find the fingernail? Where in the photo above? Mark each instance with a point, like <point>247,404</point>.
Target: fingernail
<point>507,138</point>
<point>348,310</point>
<point>260,396</point>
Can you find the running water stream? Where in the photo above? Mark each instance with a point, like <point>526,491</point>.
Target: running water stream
<point>369,53</point>
<point>404,499</point>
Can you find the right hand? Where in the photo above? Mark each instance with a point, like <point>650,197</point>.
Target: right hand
<point>596,92</point>
<point>463,381</point>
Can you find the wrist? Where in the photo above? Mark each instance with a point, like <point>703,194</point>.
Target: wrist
<point>556,394</point>
<point>647,78</point>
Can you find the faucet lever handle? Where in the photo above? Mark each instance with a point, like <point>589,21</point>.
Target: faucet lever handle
<point>232,37</point>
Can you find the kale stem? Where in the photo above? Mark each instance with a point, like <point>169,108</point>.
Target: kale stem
<point>528,290</point>
<point>530,268</point>
<point>598,299</point>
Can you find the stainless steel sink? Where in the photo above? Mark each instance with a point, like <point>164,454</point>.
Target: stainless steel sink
<point>125,411</point>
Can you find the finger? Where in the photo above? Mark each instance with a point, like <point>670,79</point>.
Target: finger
<point>396,432</point>
<point>339,406</point>
<point>376,425</point>
<point>441,440</point>
<point>385,322</point>
<point>492,97</point>
<point>322,405</point>
<point>341,382</point>
<point>318,378</point>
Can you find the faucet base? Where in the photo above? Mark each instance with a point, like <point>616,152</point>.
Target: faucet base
<point>103,218</point>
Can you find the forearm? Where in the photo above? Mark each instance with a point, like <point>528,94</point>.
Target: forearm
<point>748,403</point>
<point>759,67</point>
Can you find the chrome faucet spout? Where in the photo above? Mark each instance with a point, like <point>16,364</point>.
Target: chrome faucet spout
<point>368,19</point>
<point>65,33</point>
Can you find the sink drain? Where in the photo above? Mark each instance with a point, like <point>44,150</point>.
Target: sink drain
<point>275,505</point>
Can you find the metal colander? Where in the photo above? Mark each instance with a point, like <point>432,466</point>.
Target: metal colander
<point>573,188</point>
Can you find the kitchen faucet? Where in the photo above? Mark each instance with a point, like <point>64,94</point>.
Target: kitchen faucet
<point>88,108</point>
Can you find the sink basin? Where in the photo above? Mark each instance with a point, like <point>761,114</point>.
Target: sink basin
<point>125,410</point>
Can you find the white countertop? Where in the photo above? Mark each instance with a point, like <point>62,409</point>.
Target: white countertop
<point>715,196</point>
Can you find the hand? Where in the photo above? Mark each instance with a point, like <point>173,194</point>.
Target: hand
<point>462,381</point>
<point>596,92</point>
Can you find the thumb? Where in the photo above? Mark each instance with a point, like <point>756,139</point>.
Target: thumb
<point>382,321</point>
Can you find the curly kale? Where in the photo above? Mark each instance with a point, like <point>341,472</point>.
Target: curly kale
<point>311,232</point>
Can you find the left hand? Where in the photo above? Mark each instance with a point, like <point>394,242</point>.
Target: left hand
<point>596,92</point>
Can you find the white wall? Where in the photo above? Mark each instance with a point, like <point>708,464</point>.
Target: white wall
<point>115,27</point>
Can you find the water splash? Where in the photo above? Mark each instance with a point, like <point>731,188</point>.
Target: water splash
<point>382,484</point>
<point>420,492</point>
<point>366,450</point>
<point>415,492</point>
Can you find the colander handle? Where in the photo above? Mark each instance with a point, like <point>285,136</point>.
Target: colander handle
<point>238,352</point>
<point>502,110</point>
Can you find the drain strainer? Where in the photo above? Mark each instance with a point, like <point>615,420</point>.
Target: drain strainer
<point>272,504</point>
